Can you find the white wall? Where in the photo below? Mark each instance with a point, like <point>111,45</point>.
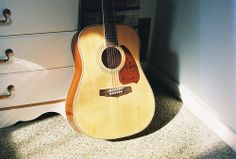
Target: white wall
<point>194,43</point>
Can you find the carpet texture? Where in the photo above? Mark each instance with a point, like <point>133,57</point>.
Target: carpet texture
<point>175,133</point>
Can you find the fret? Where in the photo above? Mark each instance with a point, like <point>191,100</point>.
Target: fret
<point>109,22</point>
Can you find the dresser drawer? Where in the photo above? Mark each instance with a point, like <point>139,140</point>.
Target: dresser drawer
<point>36,52</point>
<point>39,16</point>
<point>35,87</point>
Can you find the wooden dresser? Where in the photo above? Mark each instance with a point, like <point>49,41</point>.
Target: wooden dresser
<point>36,61</point>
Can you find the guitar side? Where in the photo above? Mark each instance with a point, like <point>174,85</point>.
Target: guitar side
<point>107,117</point>
<point>74,84</point>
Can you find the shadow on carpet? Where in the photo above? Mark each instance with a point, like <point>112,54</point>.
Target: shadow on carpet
<point>7,148</point>
<point>166,108</point>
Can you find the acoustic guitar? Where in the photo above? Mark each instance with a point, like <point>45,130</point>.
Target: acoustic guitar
<point>109,97</point>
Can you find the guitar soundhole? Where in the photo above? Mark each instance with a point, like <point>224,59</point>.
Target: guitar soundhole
<point>111,57</point>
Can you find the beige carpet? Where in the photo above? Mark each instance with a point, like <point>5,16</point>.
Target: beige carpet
<point>175,133</point>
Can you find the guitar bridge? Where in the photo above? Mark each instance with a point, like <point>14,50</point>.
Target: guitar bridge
<point>115,92</point>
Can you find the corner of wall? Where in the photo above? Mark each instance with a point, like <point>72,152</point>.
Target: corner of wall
<point>197,107</point>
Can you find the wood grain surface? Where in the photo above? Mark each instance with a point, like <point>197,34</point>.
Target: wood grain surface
<point>107,117</point>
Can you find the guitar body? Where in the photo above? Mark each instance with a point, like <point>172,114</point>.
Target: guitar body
<point>105,102</point>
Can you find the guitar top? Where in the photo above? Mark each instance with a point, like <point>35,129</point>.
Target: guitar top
<point>109,97</point>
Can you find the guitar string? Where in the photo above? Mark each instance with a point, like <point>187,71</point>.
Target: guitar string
<point>110,25</point>
<point>114,63</point>
<point>116,43</point>
<point>112,48</point>
<point>107,36</point>
<point>113,52</point>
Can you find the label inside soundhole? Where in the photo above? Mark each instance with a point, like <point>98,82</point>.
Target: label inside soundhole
<point>111,57</point>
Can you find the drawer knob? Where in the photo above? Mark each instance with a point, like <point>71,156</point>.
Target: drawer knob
<point>6,13</point>
<point>10,88</point>
<point>9,53</point>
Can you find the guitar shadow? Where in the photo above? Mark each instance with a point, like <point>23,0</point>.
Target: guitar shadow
<point>166,108</point>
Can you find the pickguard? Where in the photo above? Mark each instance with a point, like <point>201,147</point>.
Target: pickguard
<point>129,73</point>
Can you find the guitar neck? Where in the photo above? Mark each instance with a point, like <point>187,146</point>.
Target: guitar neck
<point>109,22</point>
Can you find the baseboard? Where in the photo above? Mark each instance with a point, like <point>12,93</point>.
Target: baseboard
<point>197,107</point>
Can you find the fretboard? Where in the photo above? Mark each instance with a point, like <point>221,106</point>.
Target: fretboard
<point>109,22</point>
